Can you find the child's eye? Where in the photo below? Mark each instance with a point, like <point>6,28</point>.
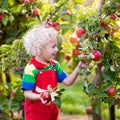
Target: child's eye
<point>54,46</point>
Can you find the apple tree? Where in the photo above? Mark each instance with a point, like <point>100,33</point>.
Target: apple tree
<point>97,29</point>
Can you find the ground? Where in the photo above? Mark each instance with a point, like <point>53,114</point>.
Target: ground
<point>74,117</point>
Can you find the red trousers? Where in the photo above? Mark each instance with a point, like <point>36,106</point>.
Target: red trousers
<point>35,110</point>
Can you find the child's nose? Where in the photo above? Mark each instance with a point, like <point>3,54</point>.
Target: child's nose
<point>56,49</point>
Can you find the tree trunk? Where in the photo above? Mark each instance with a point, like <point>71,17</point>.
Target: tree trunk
<point>98,81</point>
<point>112,112</point>
<point>96,116</point>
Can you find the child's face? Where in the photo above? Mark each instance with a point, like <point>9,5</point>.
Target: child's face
<point>49,51</point>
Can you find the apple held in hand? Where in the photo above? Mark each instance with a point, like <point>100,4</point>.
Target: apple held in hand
<point>80,32</point>
<point>111,91</point>
<point>96,55</point>
<point>46,97</point>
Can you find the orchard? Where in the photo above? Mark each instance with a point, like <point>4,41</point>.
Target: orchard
<point>89,33</point>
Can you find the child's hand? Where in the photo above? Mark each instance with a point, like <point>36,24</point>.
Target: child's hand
<point>83,64</point>
<point>45,98</point>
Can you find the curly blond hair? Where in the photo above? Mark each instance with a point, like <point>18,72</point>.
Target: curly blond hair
<point>37,37</point>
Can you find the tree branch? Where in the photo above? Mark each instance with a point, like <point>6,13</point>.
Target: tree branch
<point>99,6</point>
<point>98,77</point>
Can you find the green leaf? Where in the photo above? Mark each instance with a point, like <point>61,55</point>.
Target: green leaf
<point>16,9</point>
<point>5,20</point>
<point>112,68</point>
<point>58,102</point>
<point>97,108</point>
<point>105,76</point>
<point>11,18</point>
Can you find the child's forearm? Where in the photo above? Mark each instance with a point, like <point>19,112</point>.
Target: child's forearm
<point>72,77</point>
<point>31,96</point>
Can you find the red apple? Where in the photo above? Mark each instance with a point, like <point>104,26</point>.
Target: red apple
<point>73,39</point>
<point>75,52</point>
<point>117,101</point>
<point>80,32</point>
<point>89,110</point>
<point>46,97</point>
<point>113,16</point>
<point>13,94</point>
<point>1,16</point>
<point>31,1</point>
<point>25,1</point>
<point>35,12</point>
<point>111,91</point>
<point>67,57</point>
<point>56,25</point>
<point>22,105</point>
<point>97,55</point>
<point>78,44</point>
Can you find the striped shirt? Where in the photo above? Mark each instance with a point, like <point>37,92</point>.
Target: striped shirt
<point>31,71</point>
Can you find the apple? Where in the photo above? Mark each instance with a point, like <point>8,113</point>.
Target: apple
<point>25,1</point>
<point>111,91</point>
<point>13,94</point>
<point>78,44</point>
<point>35,12</point>
<point>31,1</point>
<point>56,25</point>
<point>75,52</point>
<point>117,101</point>
<point>22,105</point>
<point>73,39</point>
<point>106,20</point>
<point>1,16</point>
<point>80,32</point>
<point>113,16</point>
<point>89,110</point>
<point>97,55</point>
<point>46,97</point>
<point>67,57</point>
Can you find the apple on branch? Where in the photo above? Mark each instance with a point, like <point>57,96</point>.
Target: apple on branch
<point>111,91</point>
<point>75,52</point>
<point>73,39</point>
<point>96,55</point>
<point>80,32</point>
<point>1,16</point>
<point>113,16</point>
<point>35,12</point>
<point>67,57</point>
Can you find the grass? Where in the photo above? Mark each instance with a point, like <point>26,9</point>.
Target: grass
<point>74,100</point>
